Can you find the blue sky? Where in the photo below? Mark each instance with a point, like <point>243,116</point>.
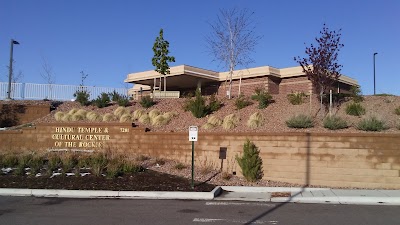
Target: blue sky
<point>109,39</point>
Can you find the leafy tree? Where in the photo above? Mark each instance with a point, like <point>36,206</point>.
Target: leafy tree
<point>232,39</point>
<point>160,59</point>
<point>321,66</point>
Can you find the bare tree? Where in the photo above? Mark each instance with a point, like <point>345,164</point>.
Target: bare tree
<point>233,39</point>
<point>48,75</point>
<point>321,66</point>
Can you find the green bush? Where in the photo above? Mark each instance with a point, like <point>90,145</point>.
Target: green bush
<point>102,101</point>
<point>123,101</point>
<point>242,101</point>
<point>263,98</point>
<point>82,96</point>
<point>371,124</point>
<point>68,162</point>
<point>129,167</point>
<point>114,96</point>
<point>114,168</point>
<point>296,98</point>
<point>9,160</point>
<point>250,162</point>
<point>355,109</point>
<point>98,164</point>
<point>214,104</point>
<point>335,123</point>
<point>53,163</point>
<point>300,121</point>
<point>146,101</point>
<point>197,105</point>
<point>36,164</point>
<point>356,94</point>
<point>397,111</point>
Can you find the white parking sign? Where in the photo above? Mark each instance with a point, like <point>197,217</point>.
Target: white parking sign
<point>193,133</point>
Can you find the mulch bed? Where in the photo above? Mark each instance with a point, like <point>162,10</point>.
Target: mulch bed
<point>148,180</point>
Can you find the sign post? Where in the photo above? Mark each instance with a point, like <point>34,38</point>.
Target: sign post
<point>193,133</point>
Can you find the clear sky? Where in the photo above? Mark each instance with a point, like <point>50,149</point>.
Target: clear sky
<point>109,39</point>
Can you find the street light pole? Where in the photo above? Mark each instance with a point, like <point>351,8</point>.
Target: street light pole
<point>374,72</point>
<point>13,42</point>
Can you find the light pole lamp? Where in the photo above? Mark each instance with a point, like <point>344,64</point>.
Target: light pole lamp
<point>13,42</point>
<point>374,72</point>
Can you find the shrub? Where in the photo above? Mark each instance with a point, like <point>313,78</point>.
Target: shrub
<point>170,115</point>
<point>214,104</point>
<point>230,121</point>
<point>82,97</point>
<point>77,117</point>
<point>255,120</point>
<point>355,109</point>
<point>214,121</point>
<point>300,121</point>
<point>159,120</point>
<point>53,163</point>
<point>9,160</point>
<point>121,111</point>
<point>92,116</point>
<point>126,118</point>
<point>59,115</point>
<point>250,162</point>
<point>98,164</point>
<point>81,112</point>
<point>138,113</point>
<point>397,111</point>
<point>154,113</point>
<point>335,123</point>
<point>197,106</point>
<point>296,98</point>
<point>356,94</point>
<point>73,111</point>
<point>115,96</point>
<point>114,168</point>
<point>129,167</point>
<point>145,119</point>
<point>108,117</point>
<point>180,166</point>
<point>67,117</point>
<point>123,101</point>
<point>242,101</point>
<point>102,101</point>
<point>263,98</point>
<point>68,162</point>
<point>36,164</point>
<point>371,123</point>
<point>146,101</point>
<point>208,126</point>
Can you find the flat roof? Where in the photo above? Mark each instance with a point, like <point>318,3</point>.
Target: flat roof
<point>195,74</point>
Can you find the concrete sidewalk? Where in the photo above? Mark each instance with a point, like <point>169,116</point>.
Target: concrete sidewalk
<point>233,193</point>
<point>312,195</point>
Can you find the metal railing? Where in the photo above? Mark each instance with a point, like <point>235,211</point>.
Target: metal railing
<point>30,91</point>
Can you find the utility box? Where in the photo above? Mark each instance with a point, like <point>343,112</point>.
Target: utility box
<point>222,152</point>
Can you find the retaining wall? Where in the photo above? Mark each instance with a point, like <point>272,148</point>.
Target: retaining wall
<point>367,160</point>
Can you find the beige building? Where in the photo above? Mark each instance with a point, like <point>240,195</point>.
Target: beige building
<point>184,79</point>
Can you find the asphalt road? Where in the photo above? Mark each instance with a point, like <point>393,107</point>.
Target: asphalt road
<point>53,211</point>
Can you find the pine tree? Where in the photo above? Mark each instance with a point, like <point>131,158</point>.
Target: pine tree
<point>250,162</point>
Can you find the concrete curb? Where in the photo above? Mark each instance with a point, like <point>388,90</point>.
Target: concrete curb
<point>111,194</point>
<point>341,200</point>
<point>270,189</point>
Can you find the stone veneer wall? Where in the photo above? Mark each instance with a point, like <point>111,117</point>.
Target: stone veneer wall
<point>367,160</point>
